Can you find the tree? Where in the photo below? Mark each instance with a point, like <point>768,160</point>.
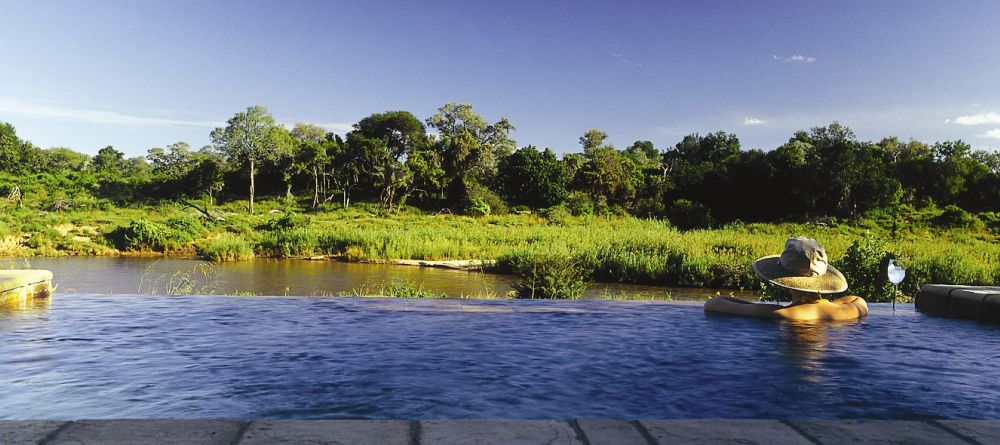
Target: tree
<point>249,139</point>
<point>62,159</point>
<point>206,176</point>
<point>470,149</point>
<point>699,167</point>
<point>10,148</point>
<point>383,141</point>
<point>304,132</point>
<point>593,142</point>
<point>108,162</point>
<point>172,163</point>
<point>607,174</point>
<point>533,178</point>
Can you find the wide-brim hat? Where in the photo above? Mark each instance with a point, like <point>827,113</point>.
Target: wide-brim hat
<point>802,267</point>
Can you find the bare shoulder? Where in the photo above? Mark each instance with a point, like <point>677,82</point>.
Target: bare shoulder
<point>850,299</point>
<point>844,308</point>
<point>735,306</point>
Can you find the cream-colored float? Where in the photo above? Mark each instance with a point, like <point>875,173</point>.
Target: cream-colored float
<point>18,285</point>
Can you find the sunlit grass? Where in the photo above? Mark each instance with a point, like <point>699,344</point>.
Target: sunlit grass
<point>624,249</point>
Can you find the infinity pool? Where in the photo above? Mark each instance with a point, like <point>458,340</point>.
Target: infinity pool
<point>91,356</point>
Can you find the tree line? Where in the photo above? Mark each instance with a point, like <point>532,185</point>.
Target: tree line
<point>457,160</point>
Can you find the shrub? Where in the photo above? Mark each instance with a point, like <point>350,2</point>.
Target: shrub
<point>290,243</point>
<point>405,288</point>
<point>226,248</point>
<point>864,265</point>
<point>580,204</point>
<point>184,229</point>
<point>955,217</point>
<point>288,221</point>
<point>557,215</point>
<point>481,201</point>
<point>687,215</point>
<point>139,235</point>
<point>991,220</point>
<point>949,268</point>
<point>546,276</point>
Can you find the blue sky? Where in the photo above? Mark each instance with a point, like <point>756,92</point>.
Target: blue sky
<point>140,74</point>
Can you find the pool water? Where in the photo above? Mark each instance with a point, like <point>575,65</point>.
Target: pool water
<point>101,356</point>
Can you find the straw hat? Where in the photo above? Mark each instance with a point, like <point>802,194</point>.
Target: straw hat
<point>802,267</point>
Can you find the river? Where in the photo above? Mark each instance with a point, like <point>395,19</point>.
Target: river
<point>160,275</point>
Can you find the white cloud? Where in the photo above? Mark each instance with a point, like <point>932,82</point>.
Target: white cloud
<point>753,121</point>
<point>11,105</point>
<point>977,119</point>
<point>991,134</point>
<point>336,127</point>
<point>796,58</point>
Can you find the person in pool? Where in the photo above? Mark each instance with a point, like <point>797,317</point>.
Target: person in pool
<point>802,269</point>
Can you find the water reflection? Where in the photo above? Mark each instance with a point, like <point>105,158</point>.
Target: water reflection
<point>158,275</point>
<point>808,343</point>
<point>24,305</point>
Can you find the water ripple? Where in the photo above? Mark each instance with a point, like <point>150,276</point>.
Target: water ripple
<point>114,356</point>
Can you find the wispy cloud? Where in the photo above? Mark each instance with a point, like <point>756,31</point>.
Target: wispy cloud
<point>62,112</point>
<point>340,128</point>
<point>991,134</point>
<point>753,121</point>
<point>795,58</point>
<point>624,61</point>
<point>976,119</point>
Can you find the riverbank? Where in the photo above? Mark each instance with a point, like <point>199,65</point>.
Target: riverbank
<point>603,248</point>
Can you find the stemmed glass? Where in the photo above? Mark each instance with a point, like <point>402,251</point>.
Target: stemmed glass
<point>896,274</point>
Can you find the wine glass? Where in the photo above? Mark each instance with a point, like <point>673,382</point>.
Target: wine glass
<point>896,274</point>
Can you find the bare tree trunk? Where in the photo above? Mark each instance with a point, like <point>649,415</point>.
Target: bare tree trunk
<point>252,171</point>
<point>315,187</point>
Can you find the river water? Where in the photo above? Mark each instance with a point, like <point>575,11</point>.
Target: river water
<point>159,275</point>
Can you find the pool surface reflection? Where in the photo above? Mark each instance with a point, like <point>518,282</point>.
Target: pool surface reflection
<point>102,356</point>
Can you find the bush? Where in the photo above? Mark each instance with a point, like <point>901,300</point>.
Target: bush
<point>404,288</point>
<point>226,248</point>
<point>288,221</point>
<point>955,217</point>
<point>184,229</point>
<point>290,243</point>
<point>687,215</point>
<point>865,266</point>
<point>481,201</point>
<point>139,235</point>
<point>991,220</point>
<point>557,215</point>
<point>950,268</point>
<point>580,204</point>
<point>546,276</point>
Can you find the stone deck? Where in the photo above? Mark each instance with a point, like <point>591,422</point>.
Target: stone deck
<point>500,432</point>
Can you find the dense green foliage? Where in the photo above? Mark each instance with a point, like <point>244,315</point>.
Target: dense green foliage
<point>442,188</point>
<point>472,167</point>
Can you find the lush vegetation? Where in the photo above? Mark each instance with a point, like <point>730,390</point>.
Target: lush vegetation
<point>694,214</point>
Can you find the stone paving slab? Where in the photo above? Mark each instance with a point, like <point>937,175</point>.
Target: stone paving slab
<point>497,432</point>
<point>611,432</point>
<point>158,432</point>
<point>906,432</point>
<point>982,431</point>
<point>27,432</point>
<point>506,432</point>
<point>328,432</point>
<point>723,431</point>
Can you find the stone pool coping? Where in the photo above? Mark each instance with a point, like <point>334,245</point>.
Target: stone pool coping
<point>506,432</point>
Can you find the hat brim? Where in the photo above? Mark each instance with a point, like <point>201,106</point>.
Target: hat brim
<point>830,282</point>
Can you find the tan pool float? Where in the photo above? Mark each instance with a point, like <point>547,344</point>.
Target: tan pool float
<point>23,284</point>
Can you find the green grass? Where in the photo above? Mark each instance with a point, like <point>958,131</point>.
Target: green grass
<point>616,249</point>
